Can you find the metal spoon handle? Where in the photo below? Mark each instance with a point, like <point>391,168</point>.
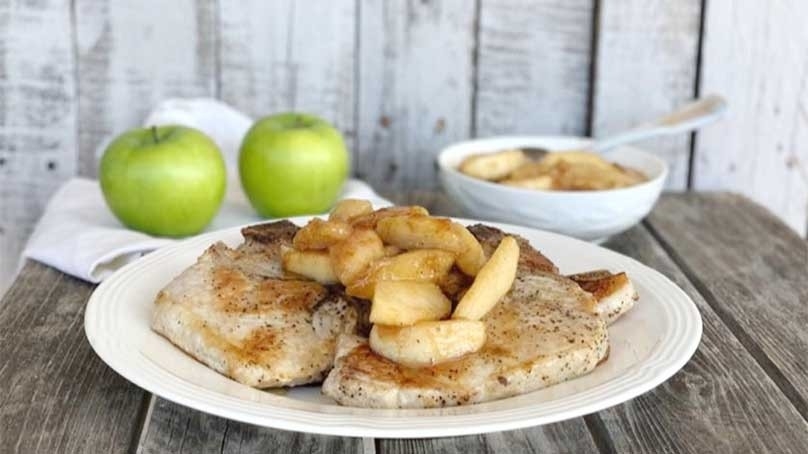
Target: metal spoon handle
<point>687,118</point>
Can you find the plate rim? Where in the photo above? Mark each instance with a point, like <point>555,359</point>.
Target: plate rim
<point>356,428</point>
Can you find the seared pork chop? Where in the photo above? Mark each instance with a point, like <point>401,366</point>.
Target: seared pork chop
<point>614,293</point>
<point>541,333</point>
<point>236,311</point>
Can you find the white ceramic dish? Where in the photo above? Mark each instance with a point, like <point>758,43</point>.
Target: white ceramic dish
<point>587,215</point>
<point>648,345</point>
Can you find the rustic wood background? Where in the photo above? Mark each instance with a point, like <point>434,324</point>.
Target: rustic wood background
<point>404,78</point>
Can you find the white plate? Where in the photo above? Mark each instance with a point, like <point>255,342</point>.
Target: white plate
<point>648,345</point>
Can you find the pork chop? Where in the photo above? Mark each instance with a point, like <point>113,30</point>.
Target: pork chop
<point>236,311</point>
<point>541,333</point>
<point>614,293</point>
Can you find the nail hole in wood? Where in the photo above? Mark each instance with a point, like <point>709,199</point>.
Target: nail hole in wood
<point>385,121</point>
<point>791,162</point>
<point>440,125</point>
<point>51,165</point>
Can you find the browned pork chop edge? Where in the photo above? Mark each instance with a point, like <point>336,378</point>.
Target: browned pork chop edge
<point>530,259</point>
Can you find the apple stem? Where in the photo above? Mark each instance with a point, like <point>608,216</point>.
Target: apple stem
<point>154,133</point>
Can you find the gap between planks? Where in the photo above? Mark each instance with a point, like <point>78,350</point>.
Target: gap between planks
<point>593,68</point>
<point>696,92</point>
<point>144,419</point>
<point>775,374</point>
<point>600,434</point>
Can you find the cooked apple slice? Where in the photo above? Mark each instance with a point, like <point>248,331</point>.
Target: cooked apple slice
<point>419,232</point>
<point>315,265</point>
<point>319,234</point>
<point>346,209</point>
<point>420,265</point>
<point>470,256</point>
<point>427,343</point>
<point>369,220</point>
<point>402,303</point>
<point>492,282</point>
<point>493,166</point>
<point>424,232</point>
<point>353,255</point>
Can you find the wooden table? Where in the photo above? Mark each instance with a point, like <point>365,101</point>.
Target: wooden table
<point>745,390</point>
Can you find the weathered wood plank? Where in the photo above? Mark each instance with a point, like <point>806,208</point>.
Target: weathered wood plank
<point>722,401</point>
<point>57,395</point>
<point>37,117</point>
<point>533,67</point>
<point>761,148</point>
<point>177,429</point>
<point>133,55</point>
<point>414,88</point>
<point>751,269</point>
<point>286,55</point>
<point>565,437</point>
<point>645,67</point>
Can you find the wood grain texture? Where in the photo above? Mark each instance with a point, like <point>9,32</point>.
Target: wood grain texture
<point>533,67</point>
<point>646,62</point>
<point>751,269</point>
<point>414,88</point>
<point>286,55</point>
<point>57,395</point>
<point>722,401</point>
<point>132,55</point>
<point>761,148</point>
<point>177,429</point>
<point>566,437</point>
<point>37,117</point>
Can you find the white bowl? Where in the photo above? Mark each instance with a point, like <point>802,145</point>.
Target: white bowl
<point>588,215</point>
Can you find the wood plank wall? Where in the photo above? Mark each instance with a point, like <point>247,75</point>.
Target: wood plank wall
<point>404,78</point>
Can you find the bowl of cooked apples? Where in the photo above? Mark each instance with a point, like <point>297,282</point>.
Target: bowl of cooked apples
<point>568,190</point>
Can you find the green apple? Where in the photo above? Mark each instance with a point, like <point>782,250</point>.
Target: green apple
<point>292,164</point>
<point>165,181</point>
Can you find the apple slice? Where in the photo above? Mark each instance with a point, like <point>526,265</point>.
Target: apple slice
<point>352,256</point>
<point>429,265</point>
<point>347,209</point>
<point>319,234</point>
<point>315,265</point>
<point>492,282</point>
<point>422,232</point>
<point>401,303</point>
<point>427,343</point>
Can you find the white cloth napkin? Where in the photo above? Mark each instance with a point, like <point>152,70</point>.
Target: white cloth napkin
<point>78,235</point>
